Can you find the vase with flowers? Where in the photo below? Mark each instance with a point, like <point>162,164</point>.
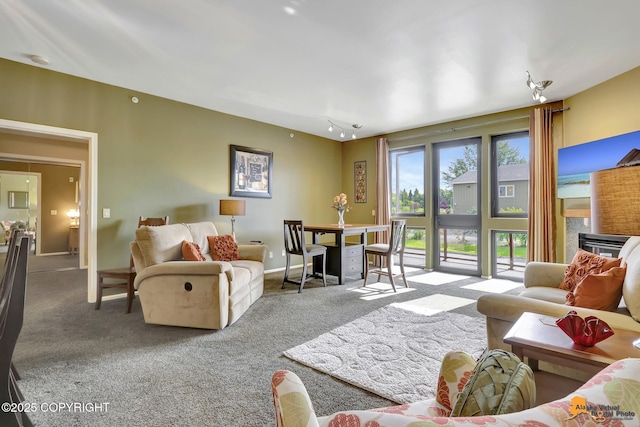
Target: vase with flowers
<point>340,204</point>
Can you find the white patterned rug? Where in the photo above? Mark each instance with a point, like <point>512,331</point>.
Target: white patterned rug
<point>392,352</point>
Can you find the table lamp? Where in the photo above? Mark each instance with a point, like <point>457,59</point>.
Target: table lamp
<point>233,208</point>
<point>74,216</point>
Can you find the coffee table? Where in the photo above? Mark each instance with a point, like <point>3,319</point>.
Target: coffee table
<point>537,337</point>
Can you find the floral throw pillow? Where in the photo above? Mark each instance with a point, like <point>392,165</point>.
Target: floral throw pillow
<point>223,248</point>
<point>191,252</point>
<point>584,263</point>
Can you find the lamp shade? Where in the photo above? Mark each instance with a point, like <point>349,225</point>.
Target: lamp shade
<point>232,207</point>
<point>615,201</point>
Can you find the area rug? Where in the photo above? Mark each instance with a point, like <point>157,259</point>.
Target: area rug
<point>392,352</point>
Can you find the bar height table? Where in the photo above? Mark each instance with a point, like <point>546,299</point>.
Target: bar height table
<point>344,258</point>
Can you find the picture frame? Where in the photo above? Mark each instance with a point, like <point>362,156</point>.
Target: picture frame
<point>360,181</point>
<point>18,200</point>
<point>251,172</point>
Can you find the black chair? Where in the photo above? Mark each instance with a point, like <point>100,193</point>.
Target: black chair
<point>294,244</point>
<point>396,245</point>
<point>12,296</point>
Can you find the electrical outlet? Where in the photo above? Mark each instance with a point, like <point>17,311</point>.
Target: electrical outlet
<point>373,212</point>
<point>283,252</point>
<point>270,254</point>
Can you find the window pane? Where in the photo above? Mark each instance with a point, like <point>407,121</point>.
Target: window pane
<point>407,181</point>
<point>458,248</point>
<point>509,254</point>
<point>458,168</point>
<point>511,169</point>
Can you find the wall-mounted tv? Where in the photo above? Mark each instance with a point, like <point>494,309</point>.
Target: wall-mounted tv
<point>575,163</point>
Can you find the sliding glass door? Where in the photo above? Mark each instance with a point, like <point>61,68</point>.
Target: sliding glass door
<point>457,210</point>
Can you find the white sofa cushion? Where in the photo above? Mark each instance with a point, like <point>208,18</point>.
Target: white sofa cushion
<point>162,243</point>
<point>199,232</point>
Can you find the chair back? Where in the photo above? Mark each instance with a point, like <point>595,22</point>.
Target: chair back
<point>398,238</point>
<point>152,221</point>
<point>294,237</point>
<point>11,319</point>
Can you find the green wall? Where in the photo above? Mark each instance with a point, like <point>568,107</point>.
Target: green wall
<point>161,157</point>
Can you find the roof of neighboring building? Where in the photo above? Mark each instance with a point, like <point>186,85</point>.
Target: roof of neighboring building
<point>514,172</point>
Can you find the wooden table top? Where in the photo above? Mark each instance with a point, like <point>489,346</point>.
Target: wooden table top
<point>347,228</point>
<point>540,332</point>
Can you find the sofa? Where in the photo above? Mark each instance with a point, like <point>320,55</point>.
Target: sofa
<point>204,294</point>
<point>542,295</point>
<point>610,389</point>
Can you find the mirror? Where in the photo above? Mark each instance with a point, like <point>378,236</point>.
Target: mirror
<point>18,199</point>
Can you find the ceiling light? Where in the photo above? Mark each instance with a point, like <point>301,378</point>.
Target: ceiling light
<point>38,59</point>
<point>344,130</point>
<point>537,88</point>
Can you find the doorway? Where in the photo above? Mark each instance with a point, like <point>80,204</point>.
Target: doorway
<point>87,200</point>
<point>457,210</point>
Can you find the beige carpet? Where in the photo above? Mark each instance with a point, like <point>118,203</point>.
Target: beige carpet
<point>392,352</point>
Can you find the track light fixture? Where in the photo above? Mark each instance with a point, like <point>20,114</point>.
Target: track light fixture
<point>537,88</point>
<point>343,131</point>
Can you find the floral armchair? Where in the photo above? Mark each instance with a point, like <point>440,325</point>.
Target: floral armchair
<point>609,398</point>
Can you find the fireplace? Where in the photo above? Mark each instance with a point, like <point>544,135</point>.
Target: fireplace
<point>602,244</point>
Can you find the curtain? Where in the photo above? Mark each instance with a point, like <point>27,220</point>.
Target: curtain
<point>542,188</point>
<point>383,209</point>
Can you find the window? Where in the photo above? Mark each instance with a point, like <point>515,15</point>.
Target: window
<point>505,190</point>
<point>510,175</point>
<point>509,254</point>
<point>407,181</point>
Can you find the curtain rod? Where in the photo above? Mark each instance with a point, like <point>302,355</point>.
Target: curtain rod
<point>454,129</point>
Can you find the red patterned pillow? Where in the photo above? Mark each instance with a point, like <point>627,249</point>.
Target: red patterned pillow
<point>191,252</point>
<point>584,263</point>
<point>223,248</point>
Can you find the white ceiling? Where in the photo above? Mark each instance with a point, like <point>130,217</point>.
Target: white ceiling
<point>388,65</point>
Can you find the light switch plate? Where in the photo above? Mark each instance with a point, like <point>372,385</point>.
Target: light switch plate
<point>106,213</point>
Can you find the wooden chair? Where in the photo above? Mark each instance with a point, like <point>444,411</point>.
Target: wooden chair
<point>385,251</point>
<point>12,296</point>
<point>124,277</point>
<point>294,244</point>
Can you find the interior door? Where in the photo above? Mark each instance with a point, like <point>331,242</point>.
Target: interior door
<point>457,210</point>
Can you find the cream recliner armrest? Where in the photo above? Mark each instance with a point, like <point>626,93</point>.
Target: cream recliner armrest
<point>253,252</point>
<point>546,274</point>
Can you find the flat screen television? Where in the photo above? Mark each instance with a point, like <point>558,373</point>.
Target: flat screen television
<point>575,163</point>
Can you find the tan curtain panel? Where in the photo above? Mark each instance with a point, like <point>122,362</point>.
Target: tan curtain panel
<point>542,183</point>
<point>383,209</point>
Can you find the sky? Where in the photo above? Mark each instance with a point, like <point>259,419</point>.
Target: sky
<point>596,155</point>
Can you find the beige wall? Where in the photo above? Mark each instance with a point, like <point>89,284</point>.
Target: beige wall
<point>161,157</point>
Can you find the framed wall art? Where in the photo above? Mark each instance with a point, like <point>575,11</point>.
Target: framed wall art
<point>251,171</point>
<point>360,181</point>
